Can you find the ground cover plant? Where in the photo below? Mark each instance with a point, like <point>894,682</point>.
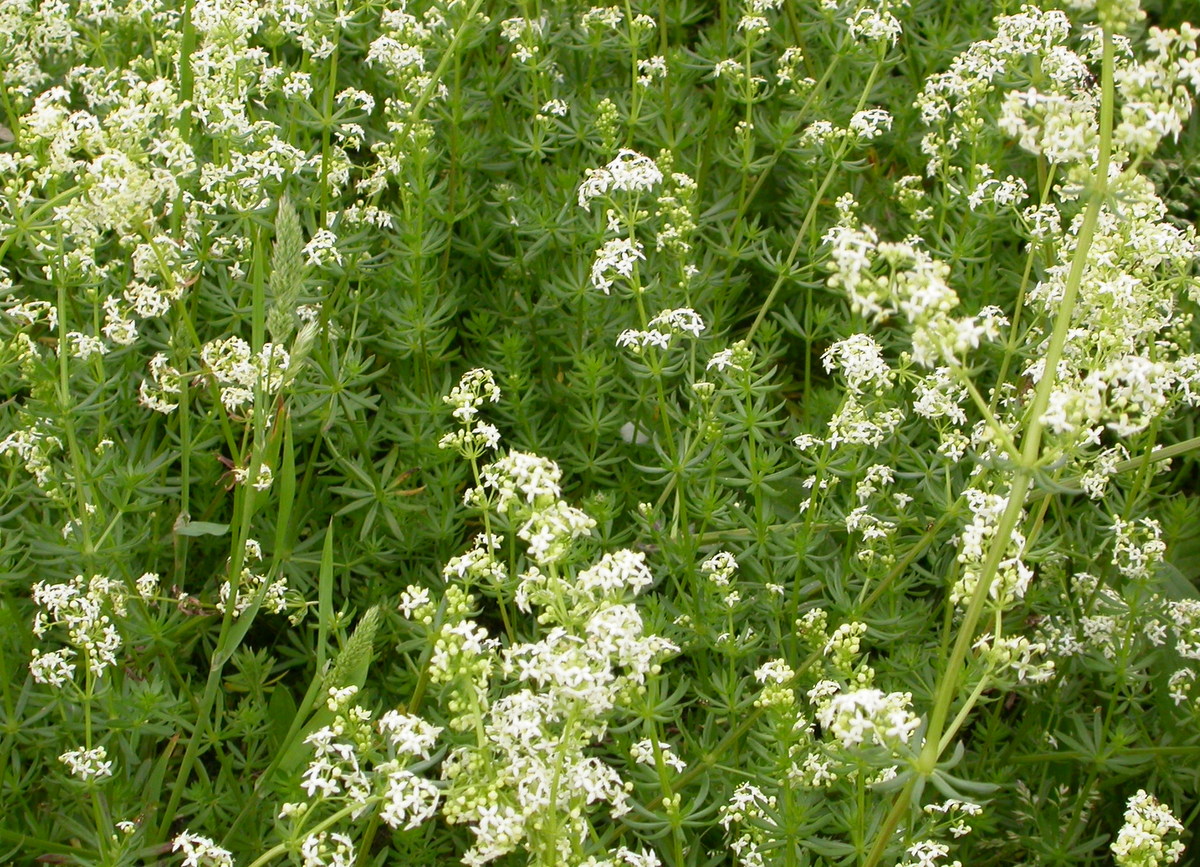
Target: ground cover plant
<point>688,433</point>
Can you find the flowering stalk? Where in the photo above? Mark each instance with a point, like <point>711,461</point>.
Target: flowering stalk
<point>936,738</point>
<point>1031,444</point>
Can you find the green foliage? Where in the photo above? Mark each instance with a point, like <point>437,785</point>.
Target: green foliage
<point>678,432</point>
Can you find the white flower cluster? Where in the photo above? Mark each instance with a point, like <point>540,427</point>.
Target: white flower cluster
<point>407,88</point>
<point>929,853</point>
<point>1061,127</point>
<point>753,20</point>
<point>535,759</point>
<point>870,123</point>
<point>751,807</point>
<point>720,568</point>
<point>327,849</point>
<point>1122,624</point>
<point>158,392</point>
<point>87,765</point>
<point>958,813</point>
<point>617,258</point>
<point>1016,656</point>
<point>776,677</point>
<point>1181,686</point>
<point>1184,614</point>
<point>1138,548</point>
<point>1058,117</point>
<point>400,48</point>
<point>676,213</point>
<point>661,329</point>
<point>842,649</point>
<point>251,584</point>
<point>478,565</point>
<point>644,752</point>
<point>859,359</point>
<point>864,717</point>
<point>651,68</point>
<point>884,278</point>
<point>1157,94</point>
<point>974,542</point>
<point>1007,193</point>
<point>1143,839</point>
<point>528,778</point>
<point>1124,363</point>
<point>629,171</point>
<point>526,36</point>
<point>953,103</point>
<point>874,24</point>
<point>362,764</point>
<point>463,655</point>
<point>199,851</point>
<point>516,479</point>
<point>87,609</point>
<point>939,395</point>
<point>865,416</point>
<point>239,371</point>
<point>35,445</point>
<point>474,436</point>
<point>602,18</point>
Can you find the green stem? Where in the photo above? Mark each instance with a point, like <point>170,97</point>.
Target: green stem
<point>884,836</point>
<point>1031,446</point>
<point>288,845</point>
<point>810,215</point>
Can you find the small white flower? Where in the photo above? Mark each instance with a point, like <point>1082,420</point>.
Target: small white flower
<point>629,171</point>
<point>85,764</point>
<point>201,851</point>
<point>615,260</point>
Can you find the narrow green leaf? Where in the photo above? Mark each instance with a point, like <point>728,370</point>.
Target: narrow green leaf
<point>200,528</point>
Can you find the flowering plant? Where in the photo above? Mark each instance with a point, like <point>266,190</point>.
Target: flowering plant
<point>438,431</point>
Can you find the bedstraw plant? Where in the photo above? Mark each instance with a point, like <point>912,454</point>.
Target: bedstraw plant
<point>680,432</point>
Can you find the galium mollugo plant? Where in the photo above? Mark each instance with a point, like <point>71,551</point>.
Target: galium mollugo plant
<point>860,331</point>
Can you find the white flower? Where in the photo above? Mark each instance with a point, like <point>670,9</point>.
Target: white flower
<point>412,599</point>
<point>327,850</point>
<point>408,734</point>
<point>1142,842</point>
<point>860,360</point>
<point>85,764</point>
<point>866,716</point>
<point>720,568</point>
<point>474,388</point>
<point>409,800</point>
<point>85,346</point>
<point>629,171</point>
<point>602,17</point>
<point>615,259</point>
<point>201,851</point>
<point>641,340</point>
<point>147,585</point>
<point>683,319</point>
<point>873,25</point>
<point>871,123</point>
<point>322,249</point>
<point>927,853</point>
<point>642,752</point>
<point>721,360</point>
<point>54,668</point>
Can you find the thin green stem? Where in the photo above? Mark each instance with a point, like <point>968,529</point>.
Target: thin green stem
<point>786,269</point>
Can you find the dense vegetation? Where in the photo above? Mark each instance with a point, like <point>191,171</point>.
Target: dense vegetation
<point>678,432</point>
